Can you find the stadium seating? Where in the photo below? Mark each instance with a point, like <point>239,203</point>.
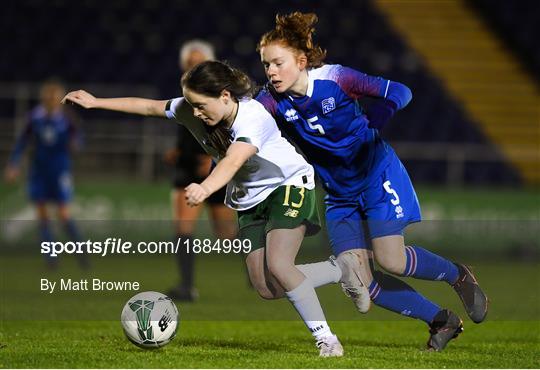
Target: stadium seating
<point>136,42</point>
<point>515,22</point>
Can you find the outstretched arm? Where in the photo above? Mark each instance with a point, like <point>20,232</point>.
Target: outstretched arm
<point>237,154</point>
<point>141,106</point>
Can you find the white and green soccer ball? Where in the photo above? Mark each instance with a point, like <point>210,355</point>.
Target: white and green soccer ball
<point>150,319</point>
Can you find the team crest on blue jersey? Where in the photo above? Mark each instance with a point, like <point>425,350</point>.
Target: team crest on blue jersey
<point>291,115</point>
<point>328,105</point>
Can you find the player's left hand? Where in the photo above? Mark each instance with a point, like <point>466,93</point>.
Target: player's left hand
<point>196,194</point>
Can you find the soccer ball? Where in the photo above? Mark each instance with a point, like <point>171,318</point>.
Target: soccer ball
<point>150,319</point>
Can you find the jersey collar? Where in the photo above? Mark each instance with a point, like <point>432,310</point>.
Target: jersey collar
<point>309,90</point>
<point>241,104</point>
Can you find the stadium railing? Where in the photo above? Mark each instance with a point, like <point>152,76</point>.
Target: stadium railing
<point>126,144</point>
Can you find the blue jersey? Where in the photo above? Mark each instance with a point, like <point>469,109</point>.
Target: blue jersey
<point>330,128</point>
<point>52,136</point>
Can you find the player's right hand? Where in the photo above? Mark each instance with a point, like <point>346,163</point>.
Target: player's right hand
<point>80,97</point>
<point>196,194</point>
<point>11,173</point>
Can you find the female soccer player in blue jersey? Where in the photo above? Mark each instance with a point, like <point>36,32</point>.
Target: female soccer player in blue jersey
<point>370,197</point>
<point>53,132</point>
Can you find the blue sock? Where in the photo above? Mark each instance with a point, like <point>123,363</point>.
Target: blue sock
<point>45,233</point>
<point>72,230</point>
<point>422,264</point>
<point>395,295</point>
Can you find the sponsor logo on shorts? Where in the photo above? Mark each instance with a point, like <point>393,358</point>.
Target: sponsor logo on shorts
<point>291,213</point>
<point>406,312</point>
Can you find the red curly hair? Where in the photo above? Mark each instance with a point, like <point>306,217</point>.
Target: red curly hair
<point>295,31</point>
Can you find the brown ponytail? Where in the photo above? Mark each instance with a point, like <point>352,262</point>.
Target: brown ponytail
<point>295,31</point>
<point>219,137</point>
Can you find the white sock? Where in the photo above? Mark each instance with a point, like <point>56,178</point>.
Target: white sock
<point>321,273</point>
<point>306,302</point>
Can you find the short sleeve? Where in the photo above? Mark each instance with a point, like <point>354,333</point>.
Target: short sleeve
<point>173,107</point>
<point>251,131</point>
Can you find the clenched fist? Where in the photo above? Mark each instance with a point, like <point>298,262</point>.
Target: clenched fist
<point>196,194</point>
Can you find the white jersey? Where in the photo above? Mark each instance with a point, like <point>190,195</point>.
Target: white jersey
<point>276,162</point>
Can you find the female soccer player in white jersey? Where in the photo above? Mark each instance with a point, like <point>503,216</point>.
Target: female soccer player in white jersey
<point>268,183</point>
<point>370,196</point>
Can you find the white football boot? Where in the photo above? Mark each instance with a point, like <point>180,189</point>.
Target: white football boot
<point>330,347</point>
<point>351,282</point>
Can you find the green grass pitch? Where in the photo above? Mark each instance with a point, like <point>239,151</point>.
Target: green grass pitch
<point>266,345</point>
<point>231,327</point>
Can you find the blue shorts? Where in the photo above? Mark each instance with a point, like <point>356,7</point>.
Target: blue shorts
<point>385,208</point>
<point>50,188</point>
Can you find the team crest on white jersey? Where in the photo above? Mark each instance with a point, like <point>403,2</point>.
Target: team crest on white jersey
<point>328,105</point>
<point>291,115</point>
